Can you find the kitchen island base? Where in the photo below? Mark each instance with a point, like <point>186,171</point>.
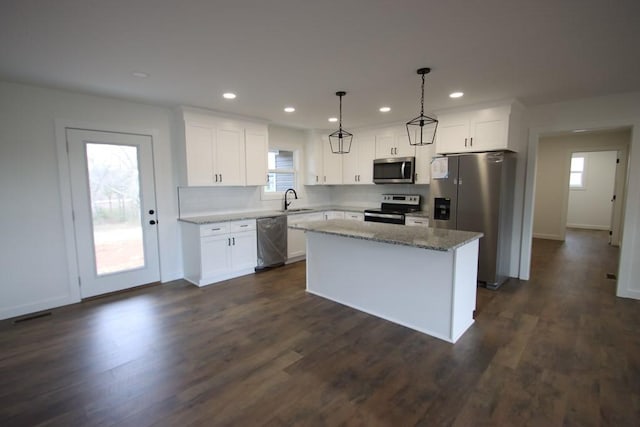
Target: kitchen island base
<point>431,291</point>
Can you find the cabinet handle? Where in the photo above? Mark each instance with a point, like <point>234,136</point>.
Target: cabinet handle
<point>267,178</point>
<point>317,178</point>
<point>471,142</point>
<point>228,241</point>
<point>220,177</point>
<point>244,225</point>
<point>416,176</point>
<point>215,229</point>
<point>216,175</point>
<point>234,241</point>
<point>465,142</point>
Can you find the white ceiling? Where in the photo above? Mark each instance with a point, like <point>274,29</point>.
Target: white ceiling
<point>274,53</point>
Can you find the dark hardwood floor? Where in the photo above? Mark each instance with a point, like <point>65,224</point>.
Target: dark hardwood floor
<point>560,349</point>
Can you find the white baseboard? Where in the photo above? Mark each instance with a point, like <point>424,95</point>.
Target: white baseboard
<point>547,236</point>
<point>9,312</point>
<point>589,227</point>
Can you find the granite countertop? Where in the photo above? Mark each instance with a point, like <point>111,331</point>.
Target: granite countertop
<point>238,216</point>
<point>427,238</point>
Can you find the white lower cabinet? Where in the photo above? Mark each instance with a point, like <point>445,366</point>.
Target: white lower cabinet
<point>296,240</point>
<point>220,251</point>
<point>333,215</point>
<point>354,216</point>
<point>416,222</point>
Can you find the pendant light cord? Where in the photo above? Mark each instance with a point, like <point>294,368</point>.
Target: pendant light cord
<point>422,99</point>
<point>340,127</point>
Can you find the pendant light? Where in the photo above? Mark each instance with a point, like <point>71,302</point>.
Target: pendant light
<point>423,126</point>
<point>340,140</point>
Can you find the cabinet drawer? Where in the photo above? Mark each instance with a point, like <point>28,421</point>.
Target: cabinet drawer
<point>417,222</point>
<point>354,216</point>
<point>246,225</point>
<point>214,229</point>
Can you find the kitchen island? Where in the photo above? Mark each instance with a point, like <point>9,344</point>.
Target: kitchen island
<point>421,278</point>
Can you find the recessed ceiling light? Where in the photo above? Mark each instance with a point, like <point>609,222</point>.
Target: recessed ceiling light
<point>333,119</point>
<point>456,95</point>
<point>289,109</point>
<point>229,95</point>
<point>140,74</point>
<point>385,109</point>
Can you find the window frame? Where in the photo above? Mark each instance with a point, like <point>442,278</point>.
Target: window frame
<point>277,195</point>
<point>583,172</point>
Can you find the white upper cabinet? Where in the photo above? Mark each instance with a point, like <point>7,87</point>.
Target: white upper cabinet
<point>223,152</point>
<point>323,166</point>
<point>257,150</point>
<point>424,154</point>
<point>357,165</point>
<point>215,155</point>
<point>487,129</point>
<point>393,142</point>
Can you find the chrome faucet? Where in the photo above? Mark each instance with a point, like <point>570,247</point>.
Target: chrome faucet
<point>286,204</point>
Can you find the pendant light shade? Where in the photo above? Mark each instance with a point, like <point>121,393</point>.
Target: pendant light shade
<point>422,129</point>
<point>340,140</point>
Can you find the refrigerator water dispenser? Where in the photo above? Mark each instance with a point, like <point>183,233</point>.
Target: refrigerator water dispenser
<point>442,209</point>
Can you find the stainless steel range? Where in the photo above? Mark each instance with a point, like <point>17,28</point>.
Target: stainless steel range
<point>393,208</point>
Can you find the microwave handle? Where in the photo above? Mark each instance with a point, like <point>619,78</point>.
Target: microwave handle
<point>402,169</point>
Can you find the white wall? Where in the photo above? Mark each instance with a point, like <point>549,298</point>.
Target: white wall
<point>33,255</point>
<point>595,113</point>
<point>590,207</point>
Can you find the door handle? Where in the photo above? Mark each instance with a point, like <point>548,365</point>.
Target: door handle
<point>153,222</point>
<point>151,211</point>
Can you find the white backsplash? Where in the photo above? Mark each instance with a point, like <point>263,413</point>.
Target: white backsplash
<point>369,196</point>
<point>195,201</point>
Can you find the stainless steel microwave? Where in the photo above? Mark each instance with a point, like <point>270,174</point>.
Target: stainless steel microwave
<point>395,170</point>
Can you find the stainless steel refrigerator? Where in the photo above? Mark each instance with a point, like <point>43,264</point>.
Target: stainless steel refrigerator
<point>474,192</point>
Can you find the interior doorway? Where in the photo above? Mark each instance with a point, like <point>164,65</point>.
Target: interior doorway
<point>592,177</point>
<point>556,179</point>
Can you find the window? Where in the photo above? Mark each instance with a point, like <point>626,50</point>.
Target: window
<point>576,176</point>
<point>282,171</point>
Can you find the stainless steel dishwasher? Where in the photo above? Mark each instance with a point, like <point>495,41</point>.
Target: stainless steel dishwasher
<point>272,242</point>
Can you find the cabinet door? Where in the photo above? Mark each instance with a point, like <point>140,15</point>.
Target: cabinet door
<point>199,151</point>
<point>453,134</point>
<point>256,152</point>
<point>354,216</point>
<point>229,163</point>
<point>366,154</point>
<point>243,250</point>
<point>489,134</point>
<point>424,154</point>
<point>403,147</point>
<point>333,215</point>
<point>314,158</point>
<point>385,145</point>
<point>332,166</point>
<point>214,253</point>
<point>350,164</point>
